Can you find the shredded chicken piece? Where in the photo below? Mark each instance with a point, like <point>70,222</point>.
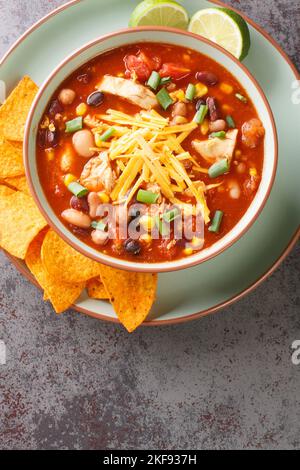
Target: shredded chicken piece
<point>215,149</point>
<point>97,174</point>
<point>129,90</point>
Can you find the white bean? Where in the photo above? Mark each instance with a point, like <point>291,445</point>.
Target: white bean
<point>83,141</point>
<point>67,96</point>
<point>234,191</point>
<point>179,109</point>
<point>77,218</point>
<point>241,168</point>
<point>94,202</point>
<point>217,126</point>
<point>100,237</point>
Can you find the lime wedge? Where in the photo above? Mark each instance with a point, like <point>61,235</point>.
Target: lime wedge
<point>224,27</point>
<point>159,13</point>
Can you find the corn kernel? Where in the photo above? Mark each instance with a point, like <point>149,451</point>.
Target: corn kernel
<point>98,141</point>
<point>178,95</point>
<point>201,90</point>
<point>226,88</point>
<point>52,127</point>
<point>103,197</point>
<point>146,238</point>
<point>147,222</point>
<point>204,127</point>
<point>180,120</point>
<point>69,178</point>
<point>50,154</point>
<point>188,251</point>
<point>253,172</point>
<point>81,109</point>
<point>238,153</point>
<point>197,242</point>
<point>227,109</point>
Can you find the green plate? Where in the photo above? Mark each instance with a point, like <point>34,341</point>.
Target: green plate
<point>201,290</point>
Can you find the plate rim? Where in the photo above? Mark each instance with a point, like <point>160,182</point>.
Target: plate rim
<point>21,268</point>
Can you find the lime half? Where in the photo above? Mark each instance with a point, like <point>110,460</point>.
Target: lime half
<point>224,27</point>
<point>159,13</point>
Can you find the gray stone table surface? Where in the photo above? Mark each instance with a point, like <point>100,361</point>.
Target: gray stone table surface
<point>225,381</point>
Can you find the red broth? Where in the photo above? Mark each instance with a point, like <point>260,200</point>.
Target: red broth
<point>238,186</point>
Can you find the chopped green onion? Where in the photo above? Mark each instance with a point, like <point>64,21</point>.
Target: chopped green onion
<point>165,81</point>
<point>217,220</point>
<point>147,196</point>
<point>74,125</point>
<point>230,122</point>
<point>219,135</point>
<point>77,189</point>
<point>154,80</point>
<point>200,115</point>
<point>171,215</point>
<point>241,98</point>
<point>107,134</point>
<point>218,168</point>
<point>190,92</point>
<point>99,225</point>
<point>164,98</point>
<point>162,227</point>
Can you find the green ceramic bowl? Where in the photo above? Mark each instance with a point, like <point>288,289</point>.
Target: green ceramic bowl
<point>160,35</point>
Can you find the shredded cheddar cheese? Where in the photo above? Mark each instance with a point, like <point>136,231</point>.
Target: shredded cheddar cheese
<point>147,149</point>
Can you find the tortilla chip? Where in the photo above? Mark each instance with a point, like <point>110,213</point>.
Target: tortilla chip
<point>61,295</point>
<point>18,182</point>
<point>65,263</point>
<point>96,289</point>
<point>20,222</point>
<point>11,159</point>
<point>5,191</point>
<point>131,294</point>
<point>14,111</point>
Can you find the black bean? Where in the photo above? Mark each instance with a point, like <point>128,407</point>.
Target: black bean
<point>84,78</point>
<point>95,99</point>
<point>83,232</point>
<point>47,138</point>
<point>132,246</point>
<point>79,204</point>
<point>208,78</point>
<point>199,103</point>
<point>55,108</point>
<point>214,112</point>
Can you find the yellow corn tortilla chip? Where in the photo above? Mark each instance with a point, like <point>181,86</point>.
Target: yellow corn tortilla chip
<point>18,182</point>
<point>131,294</point>
<point>96,289</point>
<point>11,159</point>
<point>61,295</point>
<point>14,111</point>
<point>5,191</point>
<point>20,222</point>
<point>65,263</point>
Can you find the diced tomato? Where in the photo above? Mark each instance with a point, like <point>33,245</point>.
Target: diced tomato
<point>153,62</point>
<point>141,65</point>
<point>135,65</point>
<point>174,71</point>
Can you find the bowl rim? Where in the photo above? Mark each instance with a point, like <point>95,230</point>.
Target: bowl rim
<point>157,267</point>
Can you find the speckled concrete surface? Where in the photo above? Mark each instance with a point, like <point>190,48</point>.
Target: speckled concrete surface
<point>225,381</point>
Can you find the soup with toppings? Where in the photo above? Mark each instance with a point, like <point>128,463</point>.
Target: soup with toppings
<point>150,152</point>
